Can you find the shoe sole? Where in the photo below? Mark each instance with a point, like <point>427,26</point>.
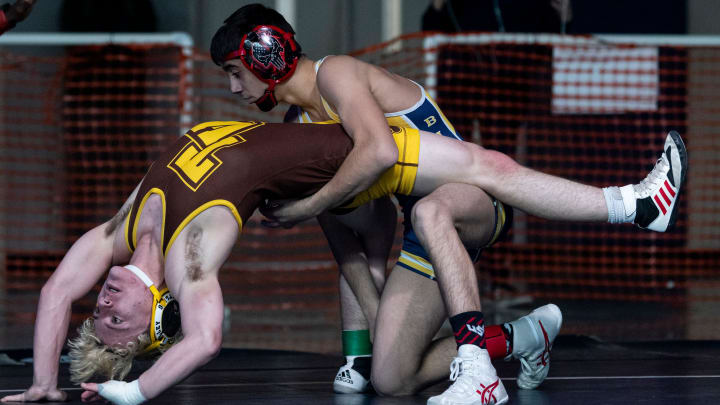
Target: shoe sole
<point>503,401</point>
<point>682,152</point>
<point>343,389</point>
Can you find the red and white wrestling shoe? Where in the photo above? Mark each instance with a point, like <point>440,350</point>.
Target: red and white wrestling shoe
<point>654,199</point>
<point>475,380</point>
<point>533,337</point>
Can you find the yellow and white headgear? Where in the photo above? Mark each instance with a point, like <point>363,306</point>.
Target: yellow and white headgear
<point>165,319</point>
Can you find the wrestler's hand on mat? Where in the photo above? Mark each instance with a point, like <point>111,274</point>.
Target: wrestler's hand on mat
<point>286,214</point>
<point>117,392</point>
<point>90,394</point>
<point>36,394</point>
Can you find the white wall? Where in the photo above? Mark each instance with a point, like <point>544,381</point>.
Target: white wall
<point>324,26</point>
<point>703,16</point>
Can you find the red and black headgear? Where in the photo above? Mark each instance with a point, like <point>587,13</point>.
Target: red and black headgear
<point>271,54</point>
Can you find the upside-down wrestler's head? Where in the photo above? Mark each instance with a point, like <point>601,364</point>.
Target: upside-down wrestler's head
<point>131,318</point>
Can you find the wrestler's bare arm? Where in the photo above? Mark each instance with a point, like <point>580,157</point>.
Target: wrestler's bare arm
<point>344,83</point>
<point>81,268</point>
<point>201,309</point>
<point>191,273</point>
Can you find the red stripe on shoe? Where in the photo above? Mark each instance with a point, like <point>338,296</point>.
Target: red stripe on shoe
<point>669,189</point>
<point>667,199</point>
<point>659,204</point>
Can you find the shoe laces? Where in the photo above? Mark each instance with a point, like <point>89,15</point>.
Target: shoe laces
<point>654,179</point>
<point>527,368</point>
<point>460,372</point>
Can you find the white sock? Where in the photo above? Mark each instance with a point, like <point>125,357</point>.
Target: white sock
<point>620,204</point>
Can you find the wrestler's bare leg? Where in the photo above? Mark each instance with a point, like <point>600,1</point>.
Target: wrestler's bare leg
<point>352,316</point>
<point>442,221</point>
<point>361,242</point>
<point>443,160</point>
<point>406,358</point>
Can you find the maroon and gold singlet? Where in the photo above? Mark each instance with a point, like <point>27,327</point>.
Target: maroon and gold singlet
<point>237,165</point>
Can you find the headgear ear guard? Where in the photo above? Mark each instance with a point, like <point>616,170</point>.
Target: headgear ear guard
<point>165,318</point>
<point>271,54</point>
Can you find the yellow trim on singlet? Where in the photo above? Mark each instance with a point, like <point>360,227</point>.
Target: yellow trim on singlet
<point>499,222</point>
<point>332,114</point>
<point>418,263</point>
<point>147,195</point>
<point>399,121</point>
<point>125,233</point>
<point>437,108</point>
<point>399,179</point>
<point>304,118</point>
<point>196,212</point>
<point>397,118</point>
<point>423,266</point>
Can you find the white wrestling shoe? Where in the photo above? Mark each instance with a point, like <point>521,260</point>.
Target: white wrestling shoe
<point>655,197</point>
<point>533,337</point>
<point>350,381</point>
<point>476,382</point>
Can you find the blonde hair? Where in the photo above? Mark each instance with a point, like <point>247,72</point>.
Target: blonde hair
<point>90,356</point>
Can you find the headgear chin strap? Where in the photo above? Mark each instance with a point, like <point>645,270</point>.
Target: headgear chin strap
<point>271,54</point>
<point>165,318</point>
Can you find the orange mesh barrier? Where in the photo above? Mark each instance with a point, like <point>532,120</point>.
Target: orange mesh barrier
<point>597,112</point>
<point>79,127</point>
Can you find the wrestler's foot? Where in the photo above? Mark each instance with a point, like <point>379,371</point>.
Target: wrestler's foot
<point>533,337</point>
<point>655,197</point>
<point>354,376</point>
<point>475,380</point>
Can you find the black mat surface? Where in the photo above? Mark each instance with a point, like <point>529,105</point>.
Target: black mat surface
<point>584,372</point>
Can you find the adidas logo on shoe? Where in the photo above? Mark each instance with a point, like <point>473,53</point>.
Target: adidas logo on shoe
<point>353,377</point>
<point>344,377</point>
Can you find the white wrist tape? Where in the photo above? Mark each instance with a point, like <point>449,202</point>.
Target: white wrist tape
<point>122,393</point>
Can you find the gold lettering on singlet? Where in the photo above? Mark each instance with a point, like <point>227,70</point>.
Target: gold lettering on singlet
<point>430,121</point>
<point>196,161</point>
